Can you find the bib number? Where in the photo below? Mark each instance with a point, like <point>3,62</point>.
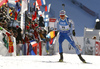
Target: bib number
<point>64,28</point>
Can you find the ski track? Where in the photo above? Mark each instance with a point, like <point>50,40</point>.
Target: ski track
<point>38,62</point>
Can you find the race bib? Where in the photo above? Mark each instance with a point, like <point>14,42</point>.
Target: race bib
<point>64,28</point>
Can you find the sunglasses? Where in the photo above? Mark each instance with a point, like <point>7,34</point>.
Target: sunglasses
<point>62,15</point>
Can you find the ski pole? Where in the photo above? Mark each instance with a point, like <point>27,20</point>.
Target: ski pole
<point>78,44</point>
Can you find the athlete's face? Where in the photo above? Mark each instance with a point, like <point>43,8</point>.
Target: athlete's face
<point>62,17</point>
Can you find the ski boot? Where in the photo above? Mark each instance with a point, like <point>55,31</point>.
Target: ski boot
<point>81,58</point>
<point>47,53</point>
<point>61,57</point>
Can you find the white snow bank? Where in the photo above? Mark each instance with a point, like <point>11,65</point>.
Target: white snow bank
<point>71,61</point>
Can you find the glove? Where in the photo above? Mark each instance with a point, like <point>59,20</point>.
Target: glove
<point>73,32</point>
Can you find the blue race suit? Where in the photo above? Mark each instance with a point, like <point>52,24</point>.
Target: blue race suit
<point>64,33</point>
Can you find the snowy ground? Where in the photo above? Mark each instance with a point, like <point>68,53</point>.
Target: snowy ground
<point>71,61</point>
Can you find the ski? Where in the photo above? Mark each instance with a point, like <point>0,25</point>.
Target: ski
<point>86,62</point>
<point>62,62</point>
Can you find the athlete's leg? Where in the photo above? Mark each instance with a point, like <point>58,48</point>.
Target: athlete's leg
<point>71,41</point>
<point>61,39</point>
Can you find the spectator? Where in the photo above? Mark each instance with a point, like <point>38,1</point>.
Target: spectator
<point>5,26</point>
<point>19,37</point>
<point>41,21</point>
<point>11,31</point>
<point>31,36</point>
<point>41,35</point>
<point>19,48</point>
<point>15,33</point>
<point>26,39</point>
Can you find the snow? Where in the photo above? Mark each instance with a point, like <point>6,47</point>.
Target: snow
<point>71,61</point>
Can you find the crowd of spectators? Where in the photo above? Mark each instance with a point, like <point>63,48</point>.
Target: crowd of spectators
<point>33,30</point>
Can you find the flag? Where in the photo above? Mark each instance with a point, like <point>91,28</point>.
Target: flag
<point>11,14</point>
<point>48,35</point>
<point>10,10</point>
<point>17,8</point>
<point>51,34</point>
<point>8,34</point>
<point>34,15</point>
<point>5,42</point>
<point>2,2</point>
<point>16,15</point>
<point>17,0</point>
<point>33,43</point>
<point>37,6</point>
<point>31,50</point>
<point>51,41</point>
<point>41,2</point>
<point>34,8</point>
<point>11,48</point>
<point>47,8</point>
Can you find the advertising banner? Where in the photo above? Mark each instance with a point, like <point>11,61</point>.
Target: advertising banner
<point>97,43</point>
<point>51,22</point>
